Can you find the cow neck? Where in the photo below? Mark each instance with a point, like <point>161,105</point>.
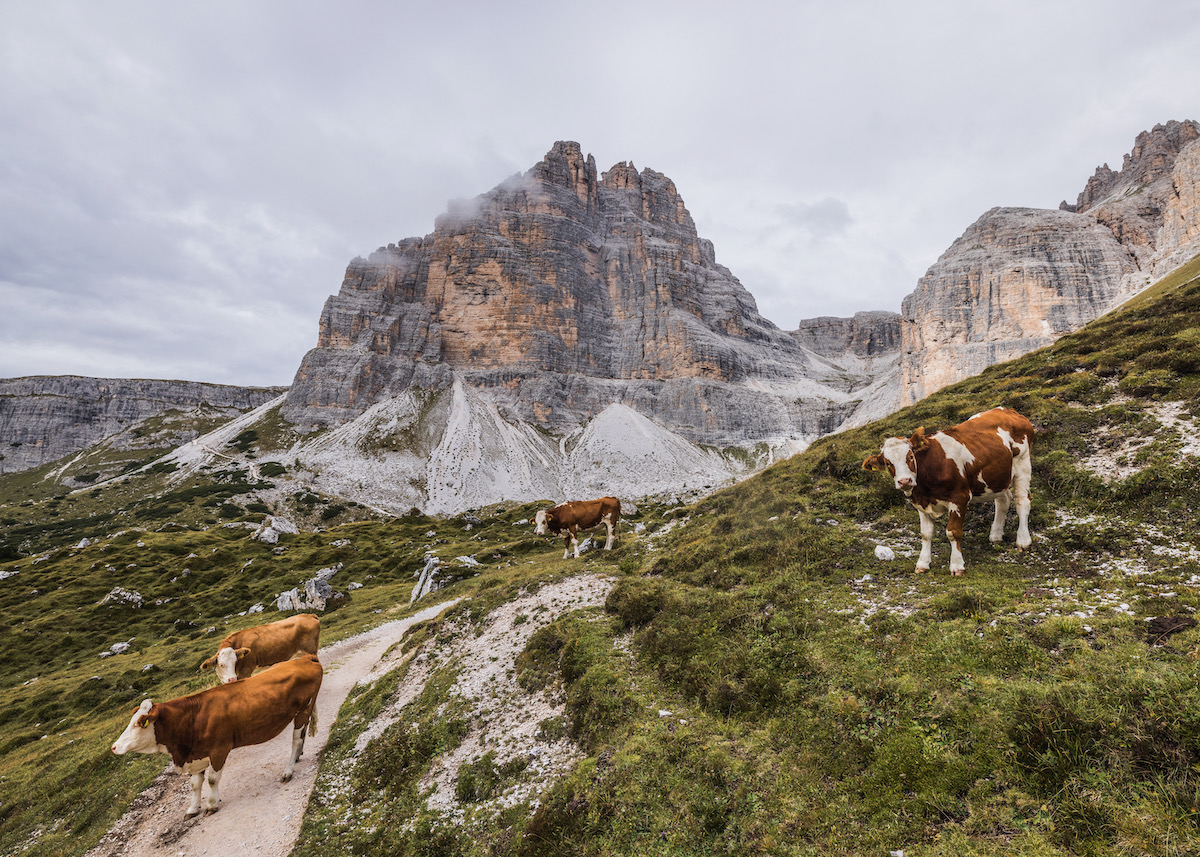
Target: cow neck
<point>175,727</point>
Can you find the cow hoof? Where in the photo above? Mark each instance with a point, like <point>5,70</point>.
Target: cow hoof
<point>192,813</point>
<point>921,570</point>
<point>210,810</point>
<point>958,573</point>
<point>285,778</point>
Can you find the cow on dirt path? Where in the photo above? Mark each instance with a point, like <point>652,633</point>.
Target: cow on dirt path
<point>242,652</point>
<point>987,457</point>
<point>570,518</point>
<point>198,731</point>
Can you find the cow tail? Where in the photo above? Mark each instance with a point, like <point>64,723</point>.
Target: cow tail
<point>312,717</point>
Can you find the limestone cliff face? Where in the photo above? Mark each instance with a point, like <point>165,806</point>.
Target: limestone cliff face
<point>43,418</point>
<point>1179,239</point>
<point>866,334</point>
<point>1019,278</point>
<point>560,292</point>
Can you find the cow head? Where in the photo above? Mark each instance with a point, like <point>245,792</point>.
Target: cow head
<point>543,519</point>
<point>899,458</point>
<point>226,661</point>
<point>138,736</point>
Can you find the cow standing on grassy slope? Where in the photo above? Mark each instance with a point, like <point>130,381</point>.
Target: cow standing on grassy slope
<point>198,731</point>
<point>570,518</point>
<point>242,652</point>
<point>988,457</point>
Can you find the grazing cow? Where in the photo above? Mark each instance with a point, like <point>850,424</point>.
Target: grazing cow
<point>570,518</point>
<point>985,458</point>
<point>199,730</point>
<point>242,652</point>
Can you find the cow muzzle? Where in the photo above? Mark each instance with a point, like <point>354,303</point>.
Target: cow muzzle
<point>904,484</point>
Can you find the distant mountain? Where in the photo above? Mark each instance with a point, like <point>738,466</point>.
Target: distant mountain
<point>1019,278</point>
<point>43,418</point>
<point>566,333</point>
<point>557,294</point>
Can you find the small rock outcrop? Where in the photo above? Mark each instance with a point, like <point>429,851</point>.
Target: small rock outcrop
<point>315,594</point>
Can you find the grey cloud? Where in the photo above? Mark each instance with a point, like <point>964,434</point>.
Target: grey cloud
<point>182,185</point>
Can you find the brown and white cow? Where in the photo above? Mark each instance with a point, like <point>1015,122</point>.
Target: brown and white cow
<point>988,457</point>
<point>242,652</point>
<point>199,730</point>
<point>570,518</point>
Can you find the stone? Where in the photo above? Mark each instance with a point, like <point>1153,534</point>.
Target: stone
<point>426,579</point>
<point>123,597</point>
<point>884,553</point>
<point>269,531</point>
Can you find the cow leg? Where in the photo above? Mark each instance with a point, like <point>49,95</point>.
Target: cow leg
<point>297,749</point>
<point>568,537</point>
<point>1002,501</point>
<point>214,791</point>
<point>575,540</point>
<point>1022,473</point>
<point>608,523</point>
<point>954,532</point>
<point>926,557</point>
<point>194,807</point>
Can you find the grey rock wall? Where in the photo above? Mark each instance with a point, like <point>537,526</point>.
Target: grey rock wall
<point>43,418</point>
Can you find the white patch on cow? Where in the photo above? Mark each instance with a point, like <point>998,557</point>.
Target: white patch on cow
<point>926,557</point>
<point>956,451</point>
<point>196,766</point>
<point>540,520</point>
<point>896,450</point>
<point>1002,500</point>
<point>608,522</point>
<point>226,667</point>
<point>138,739</point>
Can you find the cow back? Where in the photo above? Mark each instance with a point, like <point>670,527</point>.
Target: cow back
<point>976,456</point>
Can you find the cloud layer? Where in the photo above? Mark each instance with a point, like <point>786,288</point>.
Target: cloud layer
<point>183,184</point>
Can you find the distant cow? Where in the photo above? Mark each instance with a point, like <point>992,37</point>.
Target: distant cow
<point>242,652</point>
<point>198,731</point>
<point>570,518</point>
<point>988,457</point>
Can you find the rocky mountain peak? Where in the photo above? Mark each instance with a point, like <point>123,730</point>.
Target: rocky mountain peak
<point>1019,278</point>
<point>1151,159</point>
<point>557,294</point>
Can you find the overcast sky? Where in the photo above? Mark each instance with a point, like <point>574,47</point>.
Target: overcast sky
<point>182,184</point>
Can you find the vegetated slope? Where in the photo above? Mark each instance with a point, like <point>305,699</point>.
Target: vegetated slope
<point>765,685</point>
<point>758,683</point>
<point>825,702</point>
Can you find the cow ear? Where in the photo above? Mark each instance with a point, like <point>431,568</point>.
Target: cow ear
<point>209,664</point>
<point>242,652</point>
<point>149,717</point>
<point>917,441</point>
<point>871,463</point>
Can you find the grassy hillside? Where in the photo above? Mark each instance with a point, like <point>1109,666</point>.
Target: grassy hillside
<point>759,683</point>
